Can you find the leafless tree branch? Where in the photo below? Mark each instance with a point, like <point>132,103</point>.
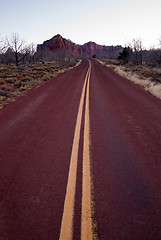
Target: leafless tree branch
<point>17,46</point>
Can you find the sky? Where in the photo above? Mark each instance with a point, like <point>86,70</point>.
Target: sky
<point>106,22</point>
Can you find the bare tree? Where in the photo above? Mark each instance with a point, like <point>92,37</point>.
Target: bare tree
<point>137,47</point>
<point>30,52</point>
<point>3,44</point>
<point>16,44</point>
<point>159,41</point>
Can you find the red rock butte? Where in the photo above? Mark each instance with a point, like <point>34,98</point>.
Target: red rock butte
<point>59,47</point>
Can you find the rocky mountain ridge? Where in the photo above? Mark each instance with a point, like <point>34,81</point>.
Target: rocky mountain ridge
<point>59,47</point>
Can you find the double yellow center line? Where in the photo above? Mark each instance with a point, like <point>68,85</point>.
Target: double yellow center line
<point>66,231</point>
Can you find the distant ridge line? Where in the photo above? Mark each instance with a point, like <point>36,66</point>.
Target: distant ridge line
<point>59,47</point>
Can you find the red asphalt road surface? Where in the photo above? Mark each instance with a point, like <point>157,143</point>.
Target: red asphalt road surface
<point>36,137</point>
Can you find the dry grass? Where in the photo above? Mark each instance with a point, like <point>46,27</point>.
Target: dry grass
<point>13,81</point>
<point>146,77</point>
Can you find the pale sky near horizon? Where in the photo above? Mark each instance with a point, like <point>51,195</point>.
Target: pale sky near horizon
<point>106,22</point>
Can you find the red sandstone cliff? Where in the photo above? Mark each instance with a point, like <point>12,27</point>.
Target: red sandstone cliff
<point>58,47</point>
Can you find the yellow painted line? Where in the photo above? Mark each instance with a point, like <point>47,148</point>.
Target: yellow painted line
<point>86,219</point>
<point>66,231</point>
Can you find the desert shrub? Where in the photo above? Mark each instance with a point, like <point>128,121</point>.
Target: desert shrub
<point>23,88</point>
<point>14,81</point>
<point>3,75</point>
<point>1,81</point>
<point>45,78</point>
<point>26,79</point>
<point>10,80</point>
<point>2,94</point>
<point>1,99</point>
<point>4,87</point>
<point>17,84</point>
<point>13,94</point>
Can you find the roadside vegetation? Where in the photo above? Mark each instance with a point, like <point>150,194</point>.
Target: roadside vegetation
<point>141,66</point>
<point>21,69</point>
<point>15,81</point>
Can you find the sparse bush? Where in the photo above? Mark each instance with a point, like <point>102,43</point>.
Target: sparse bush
<point>17,84</point>
<point>26,79</point>
<point>3,94</point>
<point>45,78</point>
<point>23,88</point>
<point>14,81</point>
<point>1,81</point>
<point>10,80</point>
<point>1,100</point>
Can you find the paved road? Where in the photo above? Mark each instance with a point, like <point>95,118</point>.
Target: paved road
<point>80,158</point>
